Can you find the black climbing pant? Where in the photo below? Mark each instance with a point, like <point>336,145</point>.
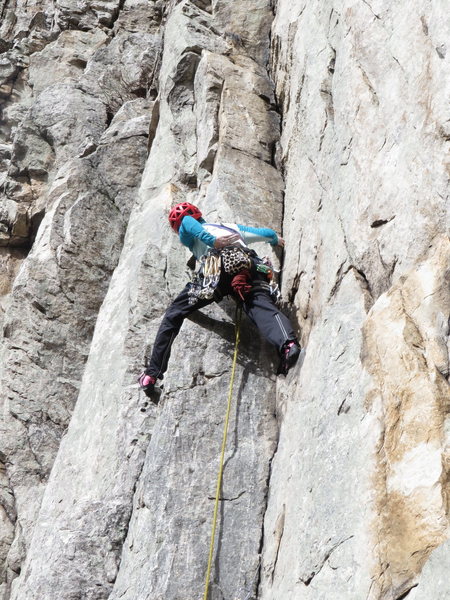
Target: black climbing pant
<point>258,305</point>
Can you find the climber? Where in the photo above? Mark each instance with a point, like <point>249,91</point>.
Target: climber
<point>228,267</point>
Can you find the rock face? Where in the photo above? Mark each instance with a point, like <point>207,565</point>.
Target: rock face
<point>323,120</point>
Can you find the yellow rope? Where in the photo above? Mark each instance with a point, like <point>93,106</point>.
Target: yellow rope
<point>222,456</point>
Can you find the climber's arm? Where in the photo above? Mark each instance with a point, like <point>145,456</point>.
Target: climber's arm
<point>190,229</point>
<point>260,234</point>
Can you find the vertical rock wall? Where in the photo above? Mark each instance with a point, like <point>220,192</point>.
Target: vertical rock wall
<point>75,108</point>
<point>358,494</point>
<point>336,478</point>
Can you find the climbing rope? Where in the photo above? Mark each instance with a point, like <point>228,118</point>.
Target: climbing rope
<point>222,456</point>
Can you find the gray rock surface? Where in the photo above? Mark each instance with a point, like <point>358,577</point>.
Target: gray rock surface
<point>433,582</point>
<point>76,158</point>
<point>326,121</point>
<point>363,149</point>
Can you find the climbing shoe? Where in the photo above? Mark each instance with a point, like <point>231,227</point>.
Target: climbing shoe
<point>147,385</point>
<point>289,356</point>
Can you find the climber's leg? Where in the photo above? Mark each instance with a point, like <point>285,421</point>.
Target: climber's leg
<point>168,330</point>
<point>274,326</point>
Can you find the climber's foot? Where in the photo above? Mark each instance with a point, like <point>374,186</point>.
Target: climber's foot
<point>289,356</point>
<point>147,384</point>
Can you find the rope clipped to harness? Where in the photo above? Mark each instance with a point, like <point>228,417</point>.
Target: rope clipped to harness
<point>222,454</point>
<point>245,270</point>
<point>241,284</point>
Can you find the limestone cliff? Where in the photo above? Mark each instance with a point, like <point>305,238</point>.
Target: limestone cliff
<point>327,121</point>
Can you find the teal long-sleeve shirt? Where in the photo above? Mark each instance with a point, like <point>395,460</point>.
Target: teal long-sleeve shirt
<point>193,235</point>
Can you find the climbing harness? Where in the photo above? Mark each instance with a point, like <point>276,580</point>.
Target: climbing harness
<point>231,259</point>
<point>222,455</point>
<point>239,263</point>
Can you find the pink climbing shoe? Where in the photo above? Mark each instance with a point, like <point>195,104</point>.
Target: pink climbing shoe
<point>147,385</point>
<point>289,356</point>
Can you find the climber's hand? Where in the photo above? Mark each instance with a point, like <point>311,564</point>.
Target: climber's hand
<point>226,240</point>
<point>281,242</point>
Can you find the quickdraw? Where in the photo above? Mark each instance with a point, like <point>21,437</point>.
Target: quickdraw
<point>206,279</point>
<point>211,271</point>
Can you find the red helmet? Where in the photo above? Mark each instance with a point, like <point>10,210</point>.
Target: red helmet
<point>181,210</point>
